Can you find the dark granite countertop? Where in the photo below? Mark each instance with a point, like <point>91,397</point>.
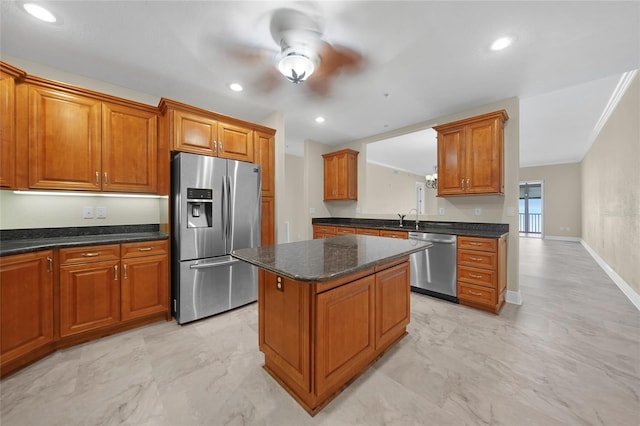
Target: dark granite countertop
<point>30,240</point>
<point>467,229</point>
<point>328,258</point>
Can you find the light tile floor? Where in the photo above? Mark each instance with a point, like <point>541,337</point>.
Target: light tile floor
<point>569,355</point>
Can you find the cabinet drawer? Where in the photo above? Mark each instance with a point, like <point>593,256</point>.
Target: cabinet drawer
<point>476,294</point>
<point>366,231</point>
<point>341,230</point>
<point>478,259</point>
<point>483,277</point>
<point>394,234</point>
<point>89,254</point>
<point>145,248</point>
<point>476,243</point>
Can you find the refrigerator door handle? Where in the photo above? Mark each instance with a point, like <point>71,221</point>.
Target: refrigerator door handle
<point>228,260</point>
<point>229,211</point>
<point>225,209</point>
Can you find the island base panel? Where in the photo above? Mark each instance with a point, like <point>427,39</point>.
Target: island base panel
<point>314,363</point>
<point>315,407</point>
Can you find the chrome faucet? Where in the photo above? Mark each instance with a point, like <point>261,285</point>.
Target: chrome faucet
<point>401,216</point>
<point>417,220</point>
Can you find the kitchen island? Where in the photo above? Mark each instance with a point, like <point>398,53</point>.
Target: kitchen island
<point>328,308</point>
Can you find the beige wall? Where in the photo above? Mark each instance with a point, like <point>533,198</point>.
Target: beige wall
<point>295,213</point>
<point>562,198</point>
<point>611,190</point>
<point>388,191</point>
<point>460,209</point>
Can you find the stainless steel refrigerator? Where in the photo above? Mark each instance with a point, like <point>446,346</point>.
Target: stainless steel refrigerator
<point>215,209</point>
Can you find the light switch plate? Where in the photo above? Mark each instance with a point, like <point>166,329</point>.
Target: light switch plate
<point>441,211</point>
<point>511,211</point>
<point>101,212</point>
<point>478,211</point>
<point>87,212</point>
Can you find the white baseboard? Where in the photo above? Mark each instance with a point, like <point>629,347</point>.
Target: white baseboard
<point>559,238</point>
<point>513,297</point>
<point>622,284</point>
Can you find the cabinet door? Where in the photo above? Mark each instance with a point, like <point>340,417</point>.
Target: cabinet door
<point>392,304</point>
<point>345,340</point>
<point>7,131</point>
<point>451,160</point>
<point>267,221</point>
<point>64,140</point>
<point>129,149</point>
<point>235,142</point>
<point>265,156</point>
<point>330,178</point>
<point>483,150</point>
<point>194,133</point>
<point>26,304</point>
<point>285,328</point>
<point>89,296</point>
<point>144,288</point>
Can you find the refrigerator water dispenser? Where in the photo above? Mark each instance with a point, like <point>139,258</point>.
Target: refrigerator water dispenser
<point>199,208</point>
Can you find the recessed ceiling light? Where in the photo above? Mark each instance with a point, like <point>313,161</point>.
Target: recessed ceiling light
<point>39,12</point>
<point>236,87</point>
<point>501,43</point>
<point>319,119</point>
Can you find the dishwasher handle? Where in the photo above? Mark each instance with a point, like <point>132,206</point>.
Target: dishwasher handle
<point>433,238</point>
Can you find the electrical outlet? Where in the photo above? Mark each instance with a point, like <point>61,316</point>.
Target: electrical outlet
<point>312,210</point>
<point>441,211</point>
<point>478,211</point>
<point>511,211</point>
<point>87,212</point>
<point>101,212</point>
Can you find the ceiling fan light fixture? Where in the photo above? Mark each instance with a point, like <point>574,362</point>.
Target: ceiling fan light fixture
<point>39,12</point>
<point>501,43</point>
<point>297,67</point>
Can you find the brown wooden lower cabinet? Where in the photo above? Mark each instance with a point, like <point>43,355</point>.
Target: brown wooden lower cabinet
<point>26,309</point>
<point>58,298</point>
<point>326,231</point>
<point>317,337</point>
<point>89,296</point>
<point>482,272</point>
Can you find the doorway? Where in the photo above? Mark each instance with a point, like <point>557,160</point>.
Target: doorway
<point>530,209</point>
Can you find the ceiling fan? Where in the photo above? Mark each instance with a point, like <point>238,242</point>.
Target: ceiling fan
<point>303,56</point>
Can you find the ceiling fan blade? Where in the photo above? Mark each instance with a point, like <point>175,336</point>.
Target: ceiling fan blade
<point>334,60</point>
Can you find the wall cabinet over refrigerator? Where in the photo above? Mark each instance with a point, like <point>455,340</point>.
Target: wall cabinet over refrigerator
<point>198,131</point>
<point>470,156</point>
<point>82,140</point>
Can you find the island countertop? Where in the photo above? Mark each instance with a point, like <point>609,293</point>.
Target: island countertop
<point>325,259</point>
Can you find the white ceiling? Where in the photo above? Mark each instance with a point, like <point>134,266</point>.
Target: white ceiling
<point>424,60</point>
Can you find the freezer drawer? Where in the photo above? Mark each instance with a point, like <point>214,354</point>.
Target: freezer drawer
<point>214,285</point>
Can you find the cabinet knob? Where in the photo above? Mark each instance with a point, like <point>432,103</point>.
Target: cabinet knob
<point>279,284</point>
<point>97,178</point>
<point>50,260</point>
<point>106,178</point>
<point>124,270</point>
<point>115,272</point>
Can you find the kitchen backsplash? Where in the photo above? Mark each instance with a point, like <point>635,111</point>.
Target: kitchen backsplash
<point>47,211</point>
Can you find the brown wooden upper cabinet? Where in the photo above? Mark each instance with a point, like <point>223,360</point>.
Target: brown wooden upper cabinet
<point>341,175</point>
<point>198,131</point>
<point>471,156</point>
<point>8,77</point>
<point>80,141</point>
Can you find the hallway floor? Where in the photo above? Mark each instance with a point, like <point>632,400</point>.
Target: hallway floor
<point>569,355</point>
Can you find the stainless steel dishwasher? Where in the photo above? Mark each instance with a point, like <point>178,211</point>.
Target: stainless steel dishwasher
<point>433,271</point>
